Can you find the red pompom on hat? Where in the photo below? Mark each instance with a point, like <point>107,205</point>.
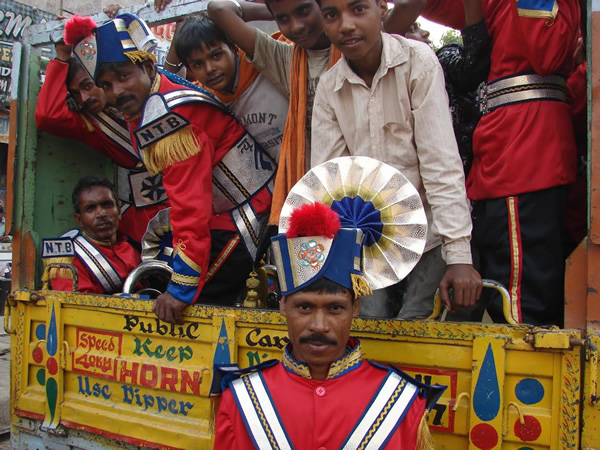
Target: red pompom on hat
<point>77,28</point>
<point>313,220</point>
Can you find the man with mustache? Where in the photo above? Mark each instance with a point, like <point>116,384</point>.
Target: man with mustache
<point>92,122</point>
<point>216,176</point>
<point>322,394</point>
<point>102,256</point>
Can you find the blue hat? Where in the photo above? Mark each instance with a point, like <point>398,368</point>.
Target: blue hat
<point>302,260</point>
<point>126,38</point>
<point>382,234</point>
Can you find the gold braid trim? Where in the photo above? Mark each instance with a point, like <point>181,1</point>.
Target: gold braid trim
<point>360,286</point>
<point>55,272</point>
<point>88,124</point>
<point>215,402</point>
<point>177,147</point>
<point>424,438</point>
<point>139,56</point>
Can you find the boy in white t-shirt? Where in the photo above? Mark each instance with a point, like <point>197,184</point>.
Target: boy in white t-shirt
<point>221,68</point>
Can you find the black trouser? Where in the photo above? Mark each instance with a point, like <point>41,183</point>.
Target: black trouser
<point>521,243</point>
<point>228,269</point>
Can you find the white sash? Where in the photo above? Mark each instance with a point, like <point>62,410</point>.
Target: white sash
<point>97,263</point>
<point>116,131</point>
<point>374,429</point>
<point>259,413</point>
<point>384,414</point>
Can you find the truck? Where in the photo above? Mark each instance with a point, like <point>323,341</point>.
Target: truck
<point>95,371</point>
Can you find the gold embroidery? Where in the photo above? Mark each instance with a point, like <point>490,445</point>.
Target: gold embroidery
<point>539,14</point>
<point>514,244</point>
<point>382,415</point>
<point>261,414</point>
<point>222,257</point>
<point>337,368</point>
<point>186,259</point>
<point>185,280</point>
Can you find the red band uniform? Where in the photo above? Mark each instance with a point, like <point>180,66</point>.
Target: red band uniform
<point>53,115</point>
<point>196,226</point>
<point>315,420</point>
<point>524,154</point>
<point>185,134</point>
<point>122,257</point>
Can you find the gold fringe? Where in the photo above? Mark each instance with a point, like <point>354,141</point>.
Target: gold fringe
<point>424,438</point>
<point>55,272</point>
<point>360,286</point>
<point>177,147</point>
<point>139,56</point>
<point>215,402</point>
<point>88,124</point>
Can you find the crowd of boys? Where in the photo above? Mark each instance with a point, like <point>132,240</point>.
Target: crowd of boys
<point>334,83</point>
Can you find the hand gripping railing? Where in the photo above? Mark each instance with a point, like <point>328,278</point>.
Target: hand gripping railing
<point>506,302</point>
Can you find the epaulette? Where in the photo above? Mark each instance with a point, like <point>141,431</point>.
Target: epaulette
<point>431,393</point>
<point>59,250</point>
<point>224,374</point>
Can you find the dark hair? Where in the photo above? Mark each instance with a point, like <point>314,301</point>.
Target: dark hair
<point>327,286</point>
<point>195,31</point>
<point>116,66</point>
<point>89,182</point>
<point>74,68</point>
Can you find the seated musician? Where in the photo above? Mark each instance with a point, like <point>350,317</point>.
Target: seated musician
<point>102,256</point>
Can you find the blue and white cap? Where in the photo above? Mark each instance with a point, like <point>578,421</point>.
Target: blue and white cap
<point>125,38</point>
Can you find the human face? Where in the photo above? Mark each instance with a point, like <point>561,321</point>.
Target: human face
<point>85,93</point>
<point>319,327</point>
<point>417,33</point>
<point>214,66</point>
<point>300,22</point>
<point>98,213</point>
<point>127,85</point>
<point>354,26</point>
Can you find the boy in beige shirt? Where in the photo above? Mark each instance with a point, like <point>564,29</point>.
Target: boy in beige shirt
<point>386,99</point>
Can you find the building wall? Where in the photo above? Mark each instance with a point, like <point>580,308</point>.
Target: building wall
<point>83,7</point>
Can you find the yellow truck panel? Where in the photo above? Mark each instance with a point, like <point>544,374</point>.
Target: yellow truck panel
<point>97,367</point>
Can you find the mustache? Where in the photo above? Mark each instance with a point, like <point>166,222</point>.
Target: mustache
<point>124,99</point>
<point>316,338</point>
<point>103,222</point>
<point>89,103</point>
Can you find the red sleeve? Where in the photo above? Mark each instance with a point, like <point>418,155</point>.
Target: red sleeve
<point>52,113</point>
<point>577,90</point>
<point>408,431</point>
<point>54,116</point>
<point>189,187</point>
<point>450,13</point>
<point>548,44</point>
<point>225,428</point>
<point>86,283</point>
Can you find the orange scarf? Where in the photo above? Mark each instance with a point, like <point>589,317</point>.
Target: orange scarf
<point>247,73</point>
<point>292,155</point>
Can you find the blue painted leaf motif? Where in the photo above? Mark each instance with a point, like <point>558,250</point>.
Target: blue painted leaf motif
<point>51,342</point>
<point>486,398</point>
<point>222,355</point>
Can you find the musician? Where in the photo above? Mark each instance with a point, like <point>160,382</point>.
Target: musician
<point>102,256</point>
